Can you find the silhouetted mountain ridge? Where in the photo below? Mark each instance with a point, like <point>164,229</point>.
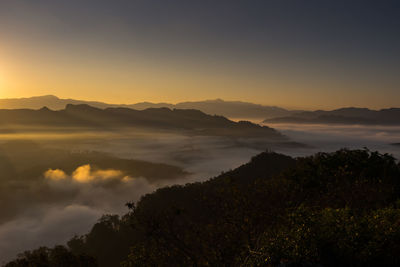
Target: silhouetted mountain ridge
<point>188,121</point>
<point>231,109</point>
<point>351,115</point>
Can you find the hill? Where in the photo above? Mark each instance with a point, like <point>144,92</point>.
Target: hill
<point>330,209</point>
<point>230,109</point>
<point>49,101</point>
<point>235,109</point>
<point>78,117</point>
<point>365,116</point>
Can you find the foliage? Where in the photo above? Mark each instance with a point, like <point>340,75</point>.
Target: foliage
<point>332,237</point>
<point>58,256</point>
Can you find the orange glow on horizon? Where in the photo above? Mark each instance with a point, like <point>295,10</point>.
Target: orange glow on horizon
<point>138,78</point>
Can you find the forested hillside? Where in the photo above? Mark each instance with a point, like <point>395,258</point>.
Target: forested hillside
<point>330,209</point>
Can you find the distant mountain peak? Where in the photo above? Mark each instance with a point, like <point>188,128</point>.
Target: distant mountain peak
<point>46,97</point>
<point>44,109</point>
<point>352,109</point>
<point>80,107</point>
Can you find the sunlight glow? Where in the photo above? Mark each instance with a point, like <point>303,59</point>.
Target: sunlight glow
<point>1,84</point>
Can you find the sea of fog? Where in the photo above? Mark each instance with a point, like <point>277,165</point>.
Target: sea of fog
<point>328,138</point>
<point>48,224</point>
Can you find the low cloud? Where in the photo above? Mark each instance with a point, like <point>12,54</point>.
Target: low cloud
<point>329,138</point>
<point>46,226</point>
<point>86,174</point>
<point>55,175</point>
<point>62,205</point>
<point>51,206</point>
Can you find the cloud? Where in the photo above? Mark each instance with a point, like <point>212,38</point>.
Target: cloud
<point>85,192</point>
<point>77,196</point>
<point>55,174</point>
<point>47,226</point>
<point>68,204</point>
<point>107,174</point>
<point>85,174</point>
<point>328,138</point>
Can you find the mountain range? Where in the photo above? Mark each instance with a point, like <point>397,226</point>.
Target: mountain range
<point>362,116</point>
<point>78,117</point>
<point>230,109</point>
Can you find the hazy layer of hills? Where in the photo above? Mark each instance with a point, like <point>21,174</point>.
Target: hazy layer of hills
<point>76,117</point>
<point>365,116</point>
<point>230,109</point>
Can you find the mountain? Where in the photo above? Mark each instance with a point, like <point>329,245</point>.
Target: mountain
<point>230,109</point>
<point>351,115</point>
<point>77,117</point>
<point>329,209</point>
<point>235,109</point>
<point>49,101</point>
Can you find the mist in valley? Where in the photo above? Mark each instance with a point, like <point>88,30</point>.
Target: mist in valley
<point>329,138</point>
<point>76,164</point>
<point>56,185</point>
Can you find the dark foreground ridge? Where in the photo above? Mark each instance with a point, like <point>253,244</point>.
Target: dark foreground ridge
<point>78,117</point>
<point>330,209</point>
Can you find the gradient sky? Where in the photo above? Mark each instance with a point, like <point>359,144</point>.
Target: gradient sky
<point>302,54</point>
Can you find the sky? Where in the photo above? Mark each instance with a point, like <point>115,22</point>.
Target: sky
<point>298,54</point>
